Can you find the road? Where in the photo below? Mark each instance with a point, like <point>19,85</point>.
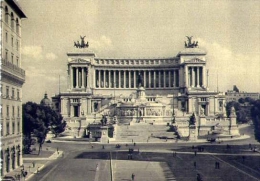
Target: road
<point>82,162</point>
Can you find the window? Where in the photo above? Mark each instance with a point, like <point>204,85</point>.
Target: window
<point>17,61</point>
<point>18,111</point>
<point>6,37</point>
<point>18,94</point>
<point>12,93</point>
<point>12,41</point>
<point>17,26</point>
<point>12,58</point>
<point>1,129</point>
<point>13,111</point>
<point>12,20</point>
<point>7,91</point>
<point>6,55</point>
<point>18,127</point>
<point>1,109</point>
<point>7,128</point>
<point>6,14</point>
<point>17,45</point>
<point>13,126</point>
<point>7,111</point>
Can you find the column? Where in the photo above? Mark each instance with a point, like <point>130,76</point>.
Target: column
<point>124,79</point>
<point>71,77</point>
<point>144,83</point>
<point>129,78</point>
<point>169,78</point>
<point>134,79</point>
<point>82,77</point>
<point>154,78</point>
<point>114,81</point>
<point>173,81</point>
<point>159,72</point>
<point>119,79</point>
<point>176,82</point>
<point>109,79</point>
<point>77,77</point>
<point>99,78</point>
<point>149,78</point>
<point>164,79</point>
<point>193,76</point>
<point>104,78</point>
<point>71,109</point>
<point>198,77</point>
<point>186,76</point>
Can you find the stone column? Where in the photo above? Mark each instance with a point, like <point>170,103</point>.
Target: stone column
<point>82,77</point>
<point>134,79</point>
<point>173,81</point>
<point>71,109</point>
<point>109,79</point>
<point>119,79</point>
<point>77,77</point>
<point>176,78</point>
<point>104,78</point>
<point>154,78</point>
<point>159,72</point>
<point>169,74</point>
<point>186,76</point>
<point>164,79</point>
<point>124,79</point>
<point>198,76</point>
<point>149,78</point>
<point>144,78</point>
<point>129,78</point>
<point>71,77</point>
<point>99,78</point>
<point>193,76</point>
<point>114,83</point>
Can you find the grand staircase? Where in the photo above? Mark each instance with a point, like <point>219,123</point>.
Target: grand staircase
<point>142,132</point>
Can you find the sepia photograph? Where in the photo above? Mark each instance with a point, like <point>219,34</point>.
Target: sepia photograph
<point>117,90</point>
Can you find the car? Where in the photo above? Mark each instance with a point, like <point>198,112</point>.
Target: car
<point>118,146</point>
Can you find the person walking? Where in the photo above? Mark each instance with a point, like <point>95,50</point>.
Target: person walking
<point>133,176</point>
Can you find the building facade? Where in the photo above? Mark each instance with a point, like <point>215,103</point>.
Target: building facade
<point>138,90</point>
<point>235,96</point>
<point>12,79</point>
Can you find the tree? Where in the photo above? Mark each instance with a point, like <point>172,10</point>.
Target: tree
<point>255,114</point>
<point>38,120</point>
<point>241,100</point>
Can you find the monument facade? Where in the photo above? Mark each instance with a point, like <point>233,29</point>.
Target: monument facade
<point>138,90</point>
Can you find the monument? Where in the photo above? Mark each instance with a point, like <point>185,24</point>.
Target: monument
<point>131,91</point>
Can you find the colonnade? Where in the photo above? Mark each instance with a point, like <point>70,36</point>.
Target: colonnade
<point>129,78</point>
<point>79,77</point>
<point>11,159</point>
<point>195,77</point>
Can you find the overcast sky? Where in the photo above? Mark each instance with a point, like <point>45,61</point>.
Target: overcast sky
<point>228,30</point>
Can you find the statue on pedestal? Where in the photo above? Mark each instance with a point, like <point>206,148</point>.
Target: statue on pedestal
<point>140,80</point>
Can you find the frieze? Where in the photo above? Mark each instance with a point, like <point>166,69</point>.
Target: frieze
<point>80,60</point>
<point>137,62</point>
<point>195,60</point>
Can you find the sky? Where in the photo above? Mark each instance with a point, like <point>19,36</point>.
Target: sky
<point>229,30</point>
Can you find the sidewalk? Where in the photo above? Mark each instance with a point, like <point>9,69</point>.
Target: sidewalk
<point>32,165</point>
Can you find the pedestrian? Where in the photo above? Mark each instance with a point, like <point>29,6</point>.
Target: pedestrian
<point>133,176</point>
<point>216,163</point>
<point>57,149</point>
<point>134,144</point>
<point>33,163</point>
<point>195,153</point>
<point>195,165</point>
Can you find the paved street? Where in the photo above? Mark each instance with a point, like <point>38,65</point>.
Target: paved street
<point>152,162</point>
